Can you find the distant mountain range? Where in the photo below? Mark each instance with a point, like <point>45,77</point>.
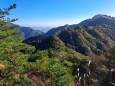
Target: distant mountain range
<point>43,29</point>
<point>27,32</point>
<point>96,20</point>
<point>91,35</point>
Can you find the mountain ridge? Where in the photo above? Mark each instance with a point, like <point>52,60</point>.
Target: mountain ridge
<point>96,20</point>
<point>27,32</point>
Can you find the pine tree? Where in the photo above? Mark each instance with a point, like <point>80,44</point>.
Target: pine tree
<point>13,53</point>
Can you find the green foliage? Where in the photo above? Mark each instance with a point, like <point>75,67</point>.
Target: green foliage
<point>17,79</point>
<point>86,40</point>
<point>5,12</point>
<point>55,59</point>
<point>59,75</point>
<point>111,57</point>
<point>68,63</point>
<point>38,55</point>
<point>13,53</point>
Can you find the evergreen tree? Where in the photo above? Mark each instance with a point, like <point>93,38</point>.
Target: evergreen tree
<point>13,53</point>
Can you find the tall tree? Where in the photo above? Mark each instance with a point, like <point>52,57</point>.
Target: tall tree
<point>13,53</point>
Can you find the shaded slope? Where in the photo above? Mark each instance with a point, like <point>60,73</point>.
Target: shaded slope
<point>28,32</point>
<point>86,39</point>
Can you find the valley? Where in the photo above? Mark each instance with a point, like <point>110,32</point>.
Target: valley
<point>80,54</point>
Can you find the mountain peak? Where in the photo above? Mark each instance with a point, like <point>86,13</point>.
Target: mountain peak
<point>102,16</point>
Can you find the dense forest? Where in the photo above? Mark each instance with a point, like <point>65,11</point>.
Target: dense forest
<point>75,56</point>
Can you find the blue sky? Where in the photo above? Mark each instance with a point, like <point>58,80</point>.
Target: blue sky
<point>57,12</point>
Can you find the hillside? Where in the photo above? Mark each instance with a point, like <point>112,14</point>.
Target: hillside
<point>77,44</point>
<point>81,45</point>
<point>85,40</point>
<point>55,30</point>
<point>81,55</point>
<point>27,32</point>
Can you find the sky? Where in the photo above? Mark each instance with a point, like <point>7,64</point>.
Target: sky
<point>51,13</point>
